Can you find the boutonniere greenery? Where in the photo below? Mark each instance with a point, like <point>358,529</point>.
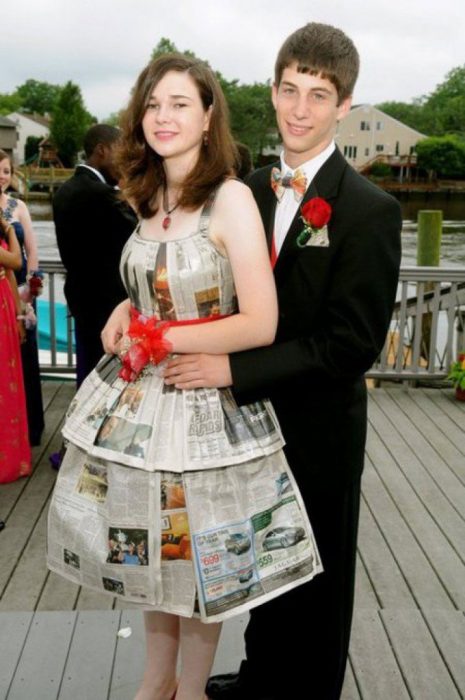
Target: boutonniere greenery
<point>316,214</point>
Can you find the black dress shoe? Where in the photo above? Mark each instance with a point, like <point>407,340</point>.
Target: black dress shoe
<point>225,687</point>
<point>2,524</point>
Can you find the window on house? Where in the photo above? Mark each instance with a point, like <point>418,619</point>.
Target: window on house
<point>367,151</point>
<point>364,126</point>
<point>379,148</point>
<point>346,151</point>
<point>379,126</point>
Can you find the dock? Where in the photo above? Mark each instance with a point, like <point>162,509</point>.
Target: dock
<point>59,642</point>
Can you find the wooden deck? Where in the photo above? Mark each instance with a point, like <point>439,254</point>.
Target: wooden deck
<point>59,642</point>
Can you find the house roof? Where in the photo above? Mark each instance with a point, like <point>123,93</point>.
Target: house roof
<point>37,118</point>
<point>4,121</point>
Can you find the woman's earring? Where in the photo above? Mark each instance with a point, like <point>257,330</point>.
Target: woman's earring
<point>205,138</point>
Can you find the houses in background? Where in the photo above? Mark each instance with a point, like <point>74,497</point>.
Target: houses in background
<point>367,134</point>
<point>8,136</point>
<point>27,125</point>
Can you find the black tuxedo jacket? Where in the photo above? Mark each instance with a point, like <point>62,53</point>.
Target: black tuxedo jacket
<point>92,225</point>
<point>335,306</point>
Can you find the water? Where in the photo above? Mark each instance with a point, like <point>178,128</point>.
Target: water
<point>452,249</point>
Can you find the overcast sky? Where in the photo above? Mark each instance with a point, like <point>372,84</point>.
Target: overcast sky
<point>406,46</point>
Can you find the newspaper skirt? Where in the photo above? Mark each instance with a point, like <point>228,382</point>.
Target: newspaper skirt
<point>200,515</point>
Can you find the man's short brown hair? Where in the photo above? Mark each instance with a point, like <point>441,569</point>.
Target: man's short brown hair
<point>320,49</point>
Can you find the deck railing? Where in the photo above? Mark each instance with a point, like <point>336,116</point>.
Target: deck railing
<point>426,333</point>
<point>54,361</point>
<point>427,327</point>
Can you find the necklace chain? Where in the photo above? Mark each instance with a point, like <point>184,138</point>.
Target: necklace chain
<point>167,220</point>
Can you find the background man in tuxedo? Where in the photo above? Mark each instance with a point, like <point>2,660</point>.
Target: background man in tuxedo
<point>92,226</point>
<point>335,297</point>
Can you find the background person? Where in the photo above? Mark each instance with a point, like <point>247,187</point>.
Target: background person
<point>92,225</point>
<point>15,453</point>
<point>17,214</point>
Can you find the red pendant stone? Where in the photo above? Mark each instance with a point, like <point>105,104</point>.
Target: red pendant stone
<point>166,222</point>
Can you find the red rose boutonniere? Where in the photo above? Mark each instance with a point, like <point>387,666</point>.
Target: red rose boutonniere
<point>315,214</point>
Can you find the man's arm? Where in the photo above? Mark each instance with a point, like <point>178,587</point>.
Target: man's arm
<point>357,313</point>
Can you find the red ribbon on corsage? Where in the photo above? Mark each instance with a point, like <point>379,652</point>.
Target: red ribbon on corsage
<point>148,344</point>
<point>147,341</point>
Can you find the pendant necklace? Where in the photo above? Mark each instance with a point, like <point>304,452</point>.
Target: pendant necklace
<point>167,220</point>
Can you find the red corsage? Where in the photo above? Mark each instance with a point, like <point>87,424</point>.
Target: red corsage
<point>147,345</point>
<point>316,214</point>
<point>35,283</point>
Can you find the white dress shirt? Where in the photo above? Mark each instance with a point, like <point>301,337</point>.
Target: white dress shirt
<point>287,207</point>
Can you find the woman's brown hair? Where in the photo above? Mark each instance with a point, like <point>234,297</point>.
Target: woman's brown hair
<point>141,168</point>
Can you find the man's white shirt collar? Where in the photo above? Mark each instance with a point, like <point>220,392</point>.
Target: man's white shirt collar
<point>93,170</point>
<point>287,207</point>
<point>310,167</point>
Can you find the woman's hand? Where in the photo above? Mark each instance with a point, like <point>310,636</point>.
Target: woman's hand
<point>115,328</point>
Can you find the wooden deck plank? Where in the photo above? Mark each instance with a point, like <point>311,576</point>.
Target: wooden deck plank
<point>53,418</point>
<point>422,580</point>
<point>375,665</point>
<point>423,668</point>
<point>429,444</point>
<point>14,628</point>
<point>350,689</point>
<point>24,588</point>
<point>388,580</point>
<point>28,510</point>
<point>448,630</point>
<point>43,657</point>
<point>365,594</point>
<point>436,526</point>
<point>89,667</point>
<point>92,600</point>
<point>57,593</point>
<point>129,658</point>
<point>448,413</point>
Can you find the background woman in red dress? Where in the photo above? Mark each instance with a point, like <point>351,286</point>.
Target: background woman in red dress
<point>15,453</point>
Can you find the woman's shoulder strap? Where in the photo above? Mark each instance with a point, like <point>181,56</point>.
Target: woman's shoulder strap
<point>208,206</point>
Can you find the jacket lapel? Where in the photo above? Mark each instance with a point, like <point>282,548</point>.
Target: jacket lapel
<point>325,184</point>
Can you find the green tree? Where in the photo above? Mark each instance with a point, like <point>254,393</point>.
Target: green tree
<point>410,114</point>
<point>10,103</point>
<point>164,46</point>
<point>38,96</point>
<point>445,107</point>
<point>252,114</point>
<point>443,155</point>
<point>70,121</point>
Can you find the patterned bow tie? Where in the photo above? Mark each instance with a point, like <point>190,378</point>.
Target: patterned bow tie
<point>298,182</point>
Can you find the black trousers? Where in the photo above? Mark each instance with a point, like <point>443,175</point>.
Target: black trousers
<point>297,644</point>
<point>89,348</point>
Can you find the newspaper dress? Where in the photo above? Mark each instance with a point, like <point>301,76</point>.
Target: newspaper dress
<point>179,500</point>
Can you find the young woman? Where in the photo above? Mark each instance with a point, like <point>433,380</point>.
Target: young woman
<point>191,478</point>
<point>15,454</point>
<point>16,213</point>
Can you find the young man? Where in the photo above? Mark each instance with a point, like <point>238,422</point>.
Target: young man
<point>336,295</point>
<point>92,226</point>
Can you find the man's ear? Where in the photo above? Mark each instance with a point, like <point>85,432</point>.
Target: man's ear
<point>344,108</point>
<point>274,94</point>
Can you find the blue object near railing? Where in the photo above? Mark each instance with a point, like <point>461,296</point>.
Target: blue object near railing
<point>45,338</point>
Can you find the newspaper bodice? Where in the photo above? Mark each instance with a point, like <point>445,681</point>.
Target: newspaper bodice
<point>146,424</point>
<point>178,279</point>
